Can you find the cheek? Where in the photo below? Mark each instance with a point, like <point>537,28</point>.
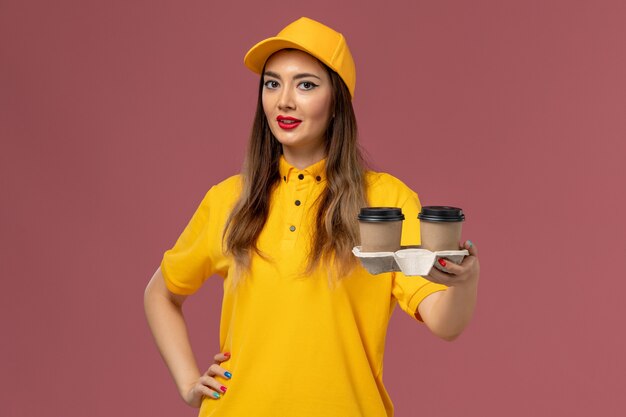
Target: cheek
<point>265,103</point>
<point>320,110</point>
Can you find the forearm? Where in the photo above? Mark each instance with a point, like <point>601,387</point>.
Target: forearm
<point>453,310</point>
<point>169,330</point>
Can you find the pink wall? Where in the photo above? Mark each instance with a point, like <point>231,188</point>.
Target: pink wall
<point>116,117</point>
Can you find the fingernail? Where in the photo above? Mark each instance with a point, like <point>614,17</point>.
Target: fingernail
<point>223,388</point>
<point>228,375</point>
<point>470,243</point>
<point>442,262</point>
<point>227,354</point>
<point>216,395</point>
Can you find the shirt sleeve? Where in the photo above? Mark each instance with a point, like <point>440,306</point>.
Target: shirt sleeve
<point>411,290</point>
<point>188,264</point>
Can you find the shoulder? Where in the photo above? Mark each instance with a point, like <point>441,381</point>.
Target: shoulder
<point>223,194</point>
<point>384,188</point>
<point>228,186</point>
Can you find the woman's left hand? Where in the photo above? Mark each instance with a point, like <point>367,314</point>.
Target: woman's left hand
<point>457,275</point>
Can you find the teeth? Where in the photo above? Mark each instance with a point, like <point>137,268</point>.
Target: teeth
<point>288,121</point>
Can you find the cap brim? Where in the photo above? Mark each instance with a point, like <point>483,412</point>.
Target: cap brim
<point>257,55</point>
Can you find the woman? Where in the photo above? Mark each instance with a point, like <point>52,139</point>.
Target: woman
<point>303,326</point>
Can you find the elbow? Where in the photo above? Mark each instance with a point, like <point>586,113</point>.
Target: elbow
<point>449,335</point>
<point>447,330</point>
<point>147,299</point>
<point>148,293</point>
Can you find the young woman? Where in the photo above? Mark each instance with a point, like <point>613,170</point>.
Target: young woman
<point>303,325</point>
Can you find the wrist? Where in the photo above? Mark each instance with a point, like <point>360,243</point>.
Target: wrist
<point>468,284</point>
<point>185,387</point>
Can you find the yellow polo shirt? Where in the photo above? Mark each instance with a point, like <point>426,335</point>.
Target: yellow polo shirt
<point>299,348</point>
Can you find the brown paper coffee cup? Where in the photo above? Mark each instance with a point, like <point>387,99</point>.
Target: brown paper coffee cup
<point>380,228</point>
<point>440,227</point>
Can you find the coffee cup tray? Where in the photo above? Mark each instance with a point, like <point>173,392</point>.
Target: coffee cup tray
<point>410,260</point>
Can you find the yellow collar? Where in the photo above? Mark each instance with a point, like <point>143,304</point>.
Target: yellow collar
<point>287,171</point>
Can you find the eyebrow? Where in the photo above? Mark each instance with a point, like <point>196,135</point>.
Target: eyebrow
<point>295,77</point>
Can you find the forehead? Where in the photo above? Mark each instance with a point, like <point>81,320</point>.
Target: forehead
<point>294,60</point>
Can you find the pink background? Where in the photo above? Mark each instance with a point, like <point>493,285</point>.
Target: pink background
<point>117,116</point>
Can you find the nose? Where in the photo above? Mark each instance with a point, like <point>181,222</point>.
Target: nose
<point>285,100</point>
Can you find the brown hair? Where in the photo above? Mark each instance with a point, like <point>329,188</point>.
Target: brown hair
<point>336,227</point>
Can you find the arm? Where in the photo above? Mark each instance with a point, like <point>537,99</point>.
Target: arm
<point>447,313</point>
<point>165,317</point>
<point>167,323</point>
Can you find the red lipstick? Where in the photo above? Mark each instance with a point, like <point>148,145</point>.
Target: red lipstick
<point>288,122</point>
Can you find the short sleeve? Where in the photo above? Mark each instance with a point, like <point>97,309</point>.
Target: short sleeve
<point>410,291</point>
<point>187,265</point>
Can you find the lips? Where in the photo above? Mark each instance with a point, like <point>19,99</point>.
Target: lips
<point>288,122</point>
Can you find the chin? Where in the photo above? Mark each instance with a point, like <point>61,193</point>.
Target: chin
<point>292,142</point>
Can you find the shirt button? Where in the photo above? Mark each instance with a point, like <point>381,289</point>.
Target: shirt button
<point>297,202</point>
<point>301,176</point>
<point>318,178</point>
<point>292,228</point>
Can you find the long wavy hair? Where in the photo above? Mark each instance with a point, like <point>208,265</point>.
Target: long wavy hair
<point>336,227</point>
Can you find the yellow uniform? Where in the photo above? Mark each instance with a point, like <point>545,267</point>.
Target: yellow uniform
<point>299,347</point>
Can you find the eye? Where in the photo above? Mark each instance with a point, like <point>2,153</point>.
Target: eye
<point>308,85</point>
<point>271,84</point>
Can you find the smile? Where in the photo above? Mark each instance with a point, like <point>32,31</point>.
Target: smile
<point>287,122</point>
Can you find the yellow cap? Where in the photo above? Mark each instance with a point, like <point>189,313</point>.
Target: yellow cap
<point>312,37</point>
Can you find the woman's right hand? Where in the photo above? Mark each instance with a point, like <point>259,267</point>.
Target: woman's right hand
<point>206,385</point>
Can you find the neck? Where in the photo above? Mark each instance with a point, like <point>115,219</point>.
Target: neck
<point>302,158</point>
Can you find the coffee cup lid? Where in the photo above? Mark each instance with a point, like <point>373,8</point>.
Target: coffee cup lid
<point>441,214</point>
<point>381,214</point>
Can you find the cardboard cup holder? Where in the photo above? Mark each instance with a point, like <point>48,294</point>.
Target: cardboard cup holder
<point>410,260</point>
